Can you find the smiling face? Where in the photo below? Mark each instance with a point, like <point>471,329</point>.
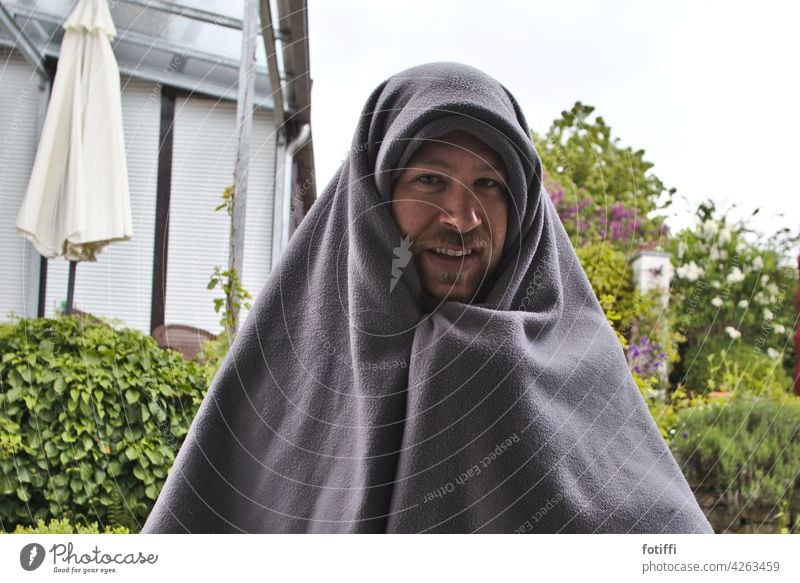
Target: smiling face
<point>451,202</point>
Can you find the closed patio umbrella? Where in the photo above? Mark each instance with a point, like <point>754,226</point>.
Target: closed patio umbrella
<point>77,200</point>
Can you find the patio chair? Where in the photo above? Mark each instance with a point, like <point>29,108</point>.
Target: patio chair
<point>187,340</point>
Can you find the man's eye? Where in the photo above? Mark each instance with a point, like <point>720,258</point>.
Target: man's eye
<point>487,183</point>
<point>428,179</point>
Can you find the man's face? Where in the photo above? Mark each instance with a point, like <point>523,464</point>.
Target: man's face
<point>451,202</point>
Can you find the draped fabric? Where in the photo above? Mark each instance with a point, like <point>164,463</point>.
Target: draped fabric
<point>344,406</point>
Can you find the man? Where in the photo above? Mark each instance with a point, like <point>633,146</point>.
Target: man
<point>428,355</point>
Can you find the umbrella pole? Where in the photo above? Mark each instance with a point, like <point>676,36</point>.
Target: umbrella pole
<point>71,287</point>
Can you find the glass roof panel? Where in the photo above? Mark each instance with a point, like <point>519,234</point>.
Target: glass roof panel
<point>178,49</point>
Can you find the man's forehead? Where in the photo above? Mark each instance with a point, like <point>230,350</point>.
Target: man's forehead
<point>457,149</point>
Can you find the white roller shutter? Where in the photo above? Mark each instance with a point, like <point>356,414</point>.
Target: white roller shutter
<point>204,150</point>
<point>118,285</point>
<point>19,105</point>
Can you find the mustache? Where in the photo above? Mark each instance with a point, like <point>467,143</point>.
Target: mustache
<point>451,239</point>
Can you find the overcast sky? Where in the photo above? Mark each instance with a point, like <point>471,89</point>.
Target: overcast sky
<point>709,90</point>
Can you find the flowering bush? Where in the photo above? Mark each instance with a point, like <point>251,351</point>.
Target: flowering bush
<point>728,286</point>
<point>645,357</point>
<point>586,221</point>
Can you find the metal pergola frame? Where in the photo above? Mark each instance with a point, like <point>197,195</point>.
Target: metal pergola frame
<point>23,43</point>
<point>36,57</point>
<point>287,68</point>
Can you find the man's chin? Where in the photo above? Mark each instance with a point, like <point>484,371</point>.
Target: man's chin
<point>433,299</point>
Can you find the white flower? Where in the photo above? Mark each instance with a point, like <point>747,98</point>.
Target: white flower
<point>768,315</point>
<point>723,254</point>
<point>772,289</point>
<point>716,302</point>
<point>713,255</point>
<point>716,285</point>
<point>690,271</point>
<point>764,279</point>
<point>736,275</point>
<point>758,263</point>
<point>760,298</point>
<point>709,228</point>
<point>743,303</point>
<point>779,329</point>
<point>733,332</point>
<point>773,354</point>
<point>725,235</point>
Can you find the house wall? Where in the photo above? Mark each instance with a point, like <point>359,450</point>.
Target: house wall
<point>19,105</point>
<point>204,153</point>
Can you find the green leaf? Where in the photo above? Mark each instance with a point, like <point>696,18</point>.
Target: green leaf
<point>23,494</point>
<point>132,396</point>
<point>154,457</point>
<point>24,475</point>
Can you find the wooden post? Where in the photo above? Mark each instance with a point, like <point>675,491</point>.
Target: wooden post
<point>244,124</point>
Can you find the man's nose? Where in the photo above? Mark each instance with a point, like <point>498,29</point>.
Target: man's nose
<point>461,209</point>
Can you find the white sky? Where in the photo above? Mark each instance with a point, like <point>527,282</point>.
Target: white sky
<point>709,90</point>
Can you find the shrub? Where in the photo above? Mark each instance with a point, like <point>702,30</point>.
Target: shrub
<point>211,355</point>
<point>745,453</point>
<point>90,420</point>
<point>729,365</point>
<point>608,272</point>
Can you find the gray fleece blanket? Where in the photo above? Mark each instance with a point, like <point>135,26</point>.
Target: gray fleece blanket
<point>343,406</point>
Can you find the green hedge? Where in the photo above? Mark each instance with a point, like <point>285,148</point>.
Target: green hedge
<point>64,526</point>
<point>745,453</point>
<point>90,420</point>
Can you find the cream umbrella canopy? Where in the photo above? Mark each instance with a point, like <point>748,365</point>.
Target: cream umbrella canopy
<point>77,200</point>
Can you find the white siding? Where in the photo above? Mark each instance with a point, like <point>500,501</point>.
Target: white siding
<point>118,285</point>
<point>204,152</point>
<point>19,105</point>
